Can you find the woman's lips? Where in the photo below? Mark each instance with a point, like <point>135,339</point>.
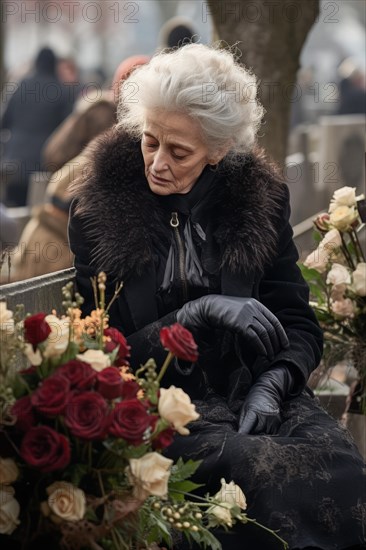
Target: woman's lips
<point>157,180</point>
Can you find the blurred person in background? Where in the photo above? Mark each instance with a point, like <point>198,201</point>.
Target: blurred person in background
<point>43,246</point>
<point>176,32</point>
<point>38,105</point>
<point>352,90</point>
<point>91,116</point>
<point>68,73</point>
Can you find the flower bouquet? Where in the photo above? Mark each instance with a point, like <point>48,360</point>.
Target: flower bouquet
<point>82,439</point>
<point>336,274</point>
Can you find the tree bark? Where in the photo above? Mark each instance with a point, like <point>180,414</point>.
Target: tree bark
<point>270,34</point>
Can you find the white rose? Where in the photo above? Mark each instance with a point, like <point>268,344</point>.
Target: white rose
<point>96,359</point>
<point>222,515</point>
<point>338,275</point>
<point>342,217</point>
<point>343,308</point>
<point>8,471</point>
<point>359,279</point>
<point>66,501</point>
<point>337,292</point>
<point>319,258</point>
<point>9,511</point>
<point>58,339</point>
<point>6,319</point>
<point>149,475</point>
<point>175,406</point>
<point>34,357</point>
<point>346,196</point>
<point>230,493</point>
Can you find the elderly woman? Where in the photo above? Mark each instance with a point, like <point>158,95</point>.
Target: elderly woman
<point>179,205</point>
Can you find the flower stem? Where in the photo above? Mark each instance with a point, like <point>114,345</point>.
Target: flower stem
<point>359,246</point>
<point>355,246</point>
<point>166,364</point>
<point>273,533</point>
<point>346,253</point>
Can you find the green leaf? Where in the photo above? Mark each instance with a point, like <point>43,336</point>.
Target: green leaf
<point>204,538</point>
<point>184,486</point>
<point>183,470</point>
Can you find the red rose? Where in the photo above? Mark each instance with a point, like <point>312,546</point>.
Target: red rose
<point>36,329</point>
<point>79,374</point>
<point>117,339</point>
<point>110,383</point>
<point>45,449</point>
<point>162,439</point>
<point>51,396</point>
<point>130,389</point>
<point>24,413</point>
<point>179,341</point>
<point>86,416</point>
<point>129,420</point>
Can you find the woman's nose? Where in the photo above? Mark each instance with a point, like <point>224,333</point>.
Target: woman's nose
<point>159,161</point>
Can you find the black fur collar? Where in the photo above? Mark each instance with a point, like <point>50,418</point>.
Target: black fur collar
<point>121,213</point>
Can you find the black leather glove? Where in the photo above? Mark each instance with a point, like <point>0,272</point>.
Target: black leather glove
<point>244,316</point>
<point>261,410</point>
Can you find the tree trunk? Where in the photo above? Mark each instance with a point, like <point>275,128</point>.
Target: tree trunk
<point>270,35</point>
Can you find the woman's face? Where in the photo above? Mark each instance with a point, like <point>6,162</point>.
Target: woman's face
<point>174,152</point>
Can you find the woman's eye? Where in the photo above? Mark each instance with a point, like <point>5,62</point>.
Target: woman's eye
<point>178,157</point>
<point>151,145</point>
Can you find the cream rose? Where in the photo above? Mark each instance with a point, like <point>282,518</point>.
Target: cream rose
<point>6,319</point>
<point>342,217</point>
<point>338,275</point>
<point>57,341</point>
<point>359,279</point>
<point>8,471</point>
<point>66,501</point>
<point>230,493</point>
<point>346,196</point>
<point>149,475</point>
<point>96,359</point>
<point>343,308</point>
<point>9,511</point>
<point>175,406</point>
<point>229,496</point>
<point>319,258</point>
<point>222,515</point>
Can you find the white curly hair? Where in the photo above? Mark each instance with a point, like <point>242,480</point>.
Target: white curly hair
<point>204,82</point>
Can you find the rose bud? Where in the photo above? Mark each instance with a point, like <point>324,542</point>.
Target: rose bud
<point>321,222</point>
<point>179,341</point>
<point>130,389</point>
<point>36,329</point>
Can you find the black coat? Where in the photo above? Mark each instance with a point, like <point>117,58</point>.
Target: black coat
<point>115,224</point>
<point>39,104</point>
<point>116,214</point>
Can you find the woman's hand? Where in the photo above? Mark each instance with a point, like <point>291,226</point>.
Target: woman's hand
<point>261,410</point>
<point>244,316</point>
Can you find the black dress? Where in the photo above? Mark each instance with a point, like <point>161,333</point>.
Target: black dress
<point>307,481</point>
